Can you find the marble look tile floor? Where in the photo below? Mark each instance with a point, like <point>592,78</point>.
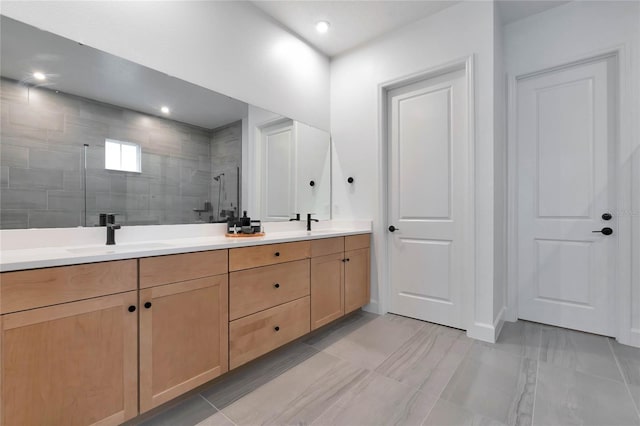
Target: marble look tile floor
<point>391,370</point>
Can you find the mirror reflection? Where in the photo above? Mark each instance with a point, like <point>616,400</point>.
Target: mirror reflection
<point>84,132</point>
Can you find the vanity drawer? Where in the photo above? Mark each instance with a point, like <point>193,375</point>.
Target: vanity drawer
<point>354,242</point>
<point>36,288</point>
<point>257,334</point>
<point>253,257</point>
<point>257,289</point>
<point>174,268</point>
<point>327,246</point>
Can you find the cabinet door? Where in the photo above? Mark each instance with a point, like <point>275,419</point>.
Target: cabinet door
<point>183,337</point>
<point>356,279</point>
<point>327,289</point>
<point>71,364</point>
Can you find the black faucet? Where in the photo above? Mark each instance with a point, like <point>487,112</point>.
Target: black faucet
<point>111,229</point>
<point>297,218</point>
<point>309,220</point>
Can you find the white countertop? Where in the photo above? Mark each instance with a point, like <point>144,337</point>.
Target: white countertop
<point>30,256</point>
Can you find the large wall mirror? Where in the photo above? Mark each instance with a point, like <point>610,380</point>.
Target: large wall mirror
<point>84,132</point>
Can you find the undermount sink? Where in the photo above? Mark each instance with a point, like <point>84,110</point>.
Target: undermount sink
<point>116,248</point>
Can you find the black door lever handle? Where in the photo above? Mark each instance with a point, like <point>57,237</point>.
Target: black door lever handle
<point>605,231</point>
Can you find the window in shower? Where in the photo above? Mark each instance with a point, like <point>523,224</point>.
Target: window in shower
<point>123,156</point>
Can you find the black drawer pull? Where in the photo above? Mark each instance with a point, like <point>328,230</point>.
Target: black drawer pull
<point>147,305</point>
<point>276,328</point>
<point>276,285</point>
<point>132,308</point>
<point>277,253</point>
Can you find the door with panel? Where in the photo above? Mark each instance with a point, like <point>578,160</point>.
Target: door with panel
<point>173,361</point>
<point>278,165</point>
<point>431,243</point>
<point>566,196</point>
<point>71,364</point>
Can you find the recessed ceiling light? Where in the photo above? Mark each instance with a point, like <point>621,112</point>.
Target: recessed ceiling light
<point>39,76</point>
<point>322,27</point>
<point>165,110</point>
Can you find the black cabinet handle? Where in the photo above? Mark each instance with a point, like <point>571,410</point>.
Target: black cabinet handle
<point>132,308</point>
<point>276,285</point>
<point>348,259</point>
<point>312,183</point>
<point>277,254</point>
<point>276,328</point>
<point>349,179</point>
<point>147,305</point>
<point>605,231</point>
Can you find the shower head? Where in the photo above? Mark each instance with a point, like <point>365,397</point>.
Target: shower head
<point>217,178</point>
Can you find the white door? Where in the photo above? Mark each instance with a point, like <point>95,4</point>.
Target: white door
<point>565,137</point>
<point>429,195</point>
<point>278,172</point>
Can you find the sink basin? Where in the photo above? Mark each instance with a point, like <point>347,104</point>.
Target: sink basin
<point>118,248</point>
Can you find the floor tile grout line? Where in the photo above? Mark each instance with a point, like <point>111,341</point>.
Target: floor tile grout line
<point>424,324</point>
<point>624,378</point>
<point>575,370</point>
<point>216,408</point>
<point>464,357</point>
<point>535,390</point>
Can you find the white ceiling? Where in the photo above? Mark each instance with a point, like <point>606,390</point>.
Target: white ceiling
<point>513,10</point>
<point>352,22</point>
<point>91,73</point>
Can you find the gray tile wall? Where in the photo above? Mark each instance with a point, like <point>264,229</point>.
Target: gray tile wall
<point>41,163</point>
<point>226,157</point>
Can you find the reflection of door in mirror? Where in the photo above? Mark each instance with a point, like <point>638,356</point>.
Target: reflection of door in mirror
<point>295,171</point>
<point>313,165</point>
<point>278,171</point>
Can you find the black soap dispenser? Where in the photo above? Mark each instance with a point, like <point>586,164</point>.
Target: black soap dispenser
<point>244,220</point>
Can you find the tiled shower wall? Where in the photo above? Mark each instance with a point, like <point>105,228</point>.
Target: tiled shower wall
<point>41,163</point>
<point>226,157</point>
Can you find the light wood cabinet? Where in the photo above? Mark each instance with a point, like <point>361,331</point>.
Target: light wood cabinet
<point>270,254</point>
<point>94,344</point>
<point>356,279</point>
<point>256,289</point>
<point>71,364</point>
<point>262,332</point>
<point>183,337</point>
<point>339,281</point>
<point>37,288</point>
<point>327,289</point>
<point>175,268</point>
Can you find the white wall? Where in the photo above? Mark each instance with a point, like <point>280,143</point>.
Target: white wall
<point>456,32</point>
<point>229,47</point>
<point>575,31</point>
<point>500,177</point>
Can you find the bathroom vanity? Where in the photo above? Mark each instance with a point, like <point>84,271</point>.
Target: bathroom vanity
<point>102,342</point>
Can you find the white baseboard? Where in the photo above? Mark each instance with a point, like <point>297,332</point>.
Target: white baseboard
<point>373,307</point>
<point>488,332</point>
<point>634,338</point>
<point>482,331</point>
<point>510,314</point>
